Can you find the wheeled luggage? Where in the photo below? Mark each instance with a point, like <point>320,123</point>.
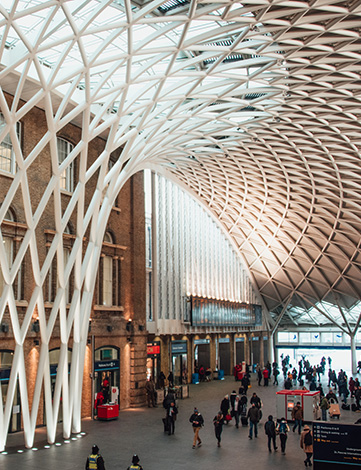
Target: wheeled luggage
<point>334,410</point>
<point>166,427</point>
<point>244,421</point>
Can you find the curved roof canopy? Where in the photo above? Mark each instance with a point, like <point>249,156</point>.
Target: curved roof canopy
<point>255,107</point>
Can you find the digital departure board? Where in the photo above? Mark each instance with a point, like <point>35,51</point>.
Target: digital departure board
<point>336,446</point>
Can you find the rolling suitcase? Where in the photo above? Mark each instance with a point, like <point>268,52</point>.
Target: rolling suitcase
<point>166,427</point>
<point>334,410</point>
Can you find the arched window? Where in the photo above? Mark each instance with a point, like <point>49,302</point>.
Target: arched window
<point>107,275</point>
<point>67,176</point>
<point>9,248</point>
<point>7,155</point>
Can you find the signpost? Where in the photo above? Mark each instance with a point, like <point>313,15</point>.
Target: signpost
<point>336,446</point>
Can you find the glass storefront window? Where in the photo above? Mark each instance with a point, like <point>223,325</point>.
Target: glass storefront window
<point>327,338</point>
<point>293,337</point>
<point>315,337</point>
<point>305,337</point>
<point>283,337</point>
<point>337,338</point>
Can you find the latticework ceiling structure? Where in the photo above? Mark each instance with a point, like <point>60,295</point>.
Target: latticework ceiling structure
<point>254,107</point>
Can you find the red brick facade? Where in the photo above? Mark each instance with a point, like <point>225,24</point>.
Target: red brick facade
<point>126,226</point>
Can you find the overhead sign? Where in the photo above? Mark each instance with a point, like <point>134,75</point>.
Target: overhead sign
<point>201,341</point>
<point>179,347</point>
<point>336,446</point>
<point>153,349</point>
<point>106,365</point>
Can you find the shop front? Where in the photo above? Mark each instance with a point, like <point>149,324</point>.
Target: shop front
<point>225,355</point>
<point>240,352</point>
<point>202,353</point>
<point>106,380</point>
<point>179,362</point>
<point>6,359</point>
<point>153,362</point>
<point>54,355</point>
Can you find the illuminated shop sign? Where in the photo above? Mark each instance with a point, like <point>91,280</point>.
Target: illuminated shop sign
<point>179,347</point>
<point>106,365</point>
<point>153,349</point>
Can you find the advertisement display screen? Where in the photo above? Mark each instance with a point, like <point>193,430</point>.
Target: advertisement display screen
<point>336,446</point>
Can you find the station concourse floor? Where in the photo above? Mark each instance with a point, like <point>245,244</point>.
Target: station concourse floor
<point>140,431</point>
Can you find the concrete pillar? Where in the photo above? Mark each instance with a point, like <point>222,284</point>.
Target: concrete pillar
<point>271,347</point>
<point>261,350</point>
<point>190,358</point>
<point>353,354</point>
<point>164,355</point>
<point>212,352</point>
<point>247,357</point>
<point>232,351</point>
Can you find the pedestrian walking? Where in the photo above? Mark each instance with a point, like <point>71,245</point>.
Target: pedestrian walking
<point>171,416</point>
<point>151,393</point>
<point>197,422</point>
<point>95,461</point>
<point>236,410</point>
<point>135,463</point>
<point>254,415</point>
<point>297,416</point>
<point>306,443</point>
<point>218,421</point>
<point>225,407</point>
<point>256,400</point>
<point>282,429</point>
<point>270,430</point>
<point>265,374</point>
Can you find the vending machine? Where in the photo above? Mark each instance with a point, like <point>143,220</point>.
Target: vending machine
<point>287,400</point>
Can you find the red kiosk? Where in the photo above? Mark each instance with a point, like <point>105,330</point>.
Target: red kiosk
<point>287,399</point>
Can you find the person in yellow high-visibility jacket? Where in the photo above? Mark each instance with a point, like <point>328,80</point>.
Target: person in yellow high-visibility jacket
<point>95,461</point>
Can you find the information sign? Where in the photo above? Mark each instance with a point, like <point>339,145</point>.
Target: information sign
<point>336,446</point>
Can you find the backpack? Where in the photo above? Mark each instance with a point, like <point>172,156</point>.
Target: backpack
<point>282,428</point>
<point>308,439</point>
<point>269,428</point>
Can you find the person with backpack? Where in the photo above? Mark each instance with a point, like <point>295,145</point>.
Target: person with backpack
<point>95,461</point>
<point>135,463</point>
<point>270,430</point>
<point>282,429</point>
<point>306,443</point>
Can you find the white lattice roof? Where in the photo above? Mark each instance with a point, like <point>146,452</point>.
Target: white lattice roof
<point>255,107</point>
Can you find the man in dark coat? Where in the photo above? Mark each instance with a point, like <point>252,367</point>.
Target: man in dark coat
<point>270,430</point>
<point>254,415</point>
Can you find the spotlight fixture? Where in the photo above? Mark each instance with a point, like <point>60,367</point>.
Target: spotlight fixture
<point>36,342</point>
<point>90,326</point>
<point>4,327</point>
<point>129,326</point>
<point>36,326</point>
<point>110,328</point>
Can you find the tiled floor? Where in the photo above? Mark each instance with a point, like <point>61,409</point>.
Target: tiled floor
<point>141,431</point>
